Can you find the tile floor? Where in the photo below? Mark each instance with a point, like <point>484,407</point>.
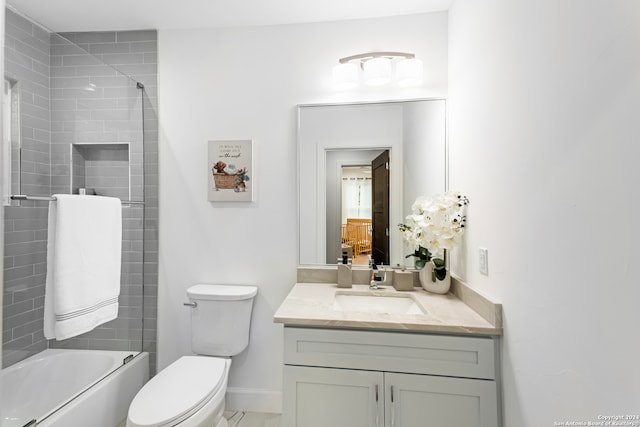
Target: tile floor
<point>252,419</point>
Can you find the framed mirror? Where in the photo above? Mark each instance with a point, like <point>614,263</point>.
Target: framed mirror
<point>333,139</point>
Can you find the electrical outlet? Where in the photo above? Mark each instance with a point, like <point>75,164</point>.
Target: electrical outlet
<point>484,261</point>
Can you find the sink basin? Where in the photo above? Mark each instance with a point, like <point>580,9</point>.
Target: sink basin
<point>376,303</point>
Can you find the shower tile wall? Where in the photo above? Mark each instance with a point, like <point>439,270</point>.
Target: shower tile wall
<point>100,111</point>
<point>90,103</point>
<point>25,252</point>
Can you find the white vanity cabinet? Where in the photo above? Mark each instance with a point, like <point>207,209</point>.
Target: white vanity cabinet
<point>356,378</point>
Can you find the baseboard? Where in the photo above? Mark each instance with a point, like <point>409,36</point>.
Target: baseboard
<point>254,400</point>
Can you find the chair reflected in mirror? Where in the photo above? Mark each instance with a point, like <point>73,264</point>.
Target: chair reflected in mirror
<point>357,237</point>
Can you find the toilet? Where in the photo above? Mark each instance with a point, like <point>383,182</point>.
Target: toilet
<point>191,391</point>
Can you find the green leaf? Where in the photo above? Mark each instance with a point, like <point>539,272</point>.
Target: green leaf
<point>438,262</point>
<point>440,273</point>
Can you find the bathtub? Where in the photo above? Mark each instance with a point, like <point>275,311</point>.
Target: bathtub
<point>42,388</point>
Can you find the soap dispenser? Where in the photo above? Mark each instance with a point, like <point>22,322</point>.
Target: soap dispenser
<point>344,271</point>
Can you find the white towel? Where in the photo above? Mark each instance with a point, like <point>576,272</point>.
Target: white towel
<point>83,264</point>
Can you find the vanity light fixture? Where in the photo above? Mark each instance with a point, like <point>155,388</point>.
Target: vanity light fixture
<point>377,69</point>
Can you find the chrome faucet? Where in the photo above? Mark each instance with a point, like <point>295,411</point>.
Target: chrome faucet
<point>377,276</point>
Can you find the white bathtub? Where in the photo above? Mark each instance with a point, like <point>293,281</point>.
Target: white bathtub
<point>42,388</point>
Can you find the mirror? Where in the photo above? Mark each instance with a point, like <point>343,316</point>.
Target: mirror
<point>334,136</point>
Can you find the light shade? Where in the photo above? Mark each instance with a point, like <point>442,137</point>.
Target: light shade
<point>409,72</point>
<point>377,71</point>
<point>345,76</point>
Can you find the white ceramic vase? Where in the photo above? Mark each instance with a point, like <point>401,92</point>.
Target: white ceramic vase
<point>430,283</point>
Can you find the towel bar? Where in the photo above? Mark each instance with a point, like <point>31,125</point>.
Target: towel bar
<point>51,198</point>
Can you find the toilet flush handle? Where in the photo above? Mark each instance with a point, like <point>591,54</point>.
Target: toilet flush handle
<point>191,304</point>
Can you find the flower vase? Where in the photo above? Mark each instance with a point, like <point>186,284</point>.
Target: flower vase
<point>431,283</point>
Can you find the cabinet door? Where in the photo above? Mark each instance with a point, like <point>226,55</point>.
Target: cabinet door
<point>424,401</point>
<point>321,397</point>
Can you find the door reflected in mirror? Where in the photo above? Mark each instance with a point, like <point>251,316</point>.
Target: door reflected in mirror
<point>411,138</point>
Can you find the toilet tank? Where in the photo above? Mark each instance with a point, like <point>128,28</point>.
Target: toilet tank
<point>220,318</point>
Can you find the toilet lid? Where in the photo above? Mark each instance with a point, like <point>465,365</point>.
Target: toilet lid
<point>177,391</point>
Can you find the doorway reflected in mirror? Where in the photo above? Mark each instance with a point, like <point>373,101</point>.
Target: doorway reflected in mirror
<point>356,230</point>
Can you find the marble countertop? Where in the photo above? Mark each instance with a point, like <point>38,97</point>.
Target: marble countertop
<point>312,304</point>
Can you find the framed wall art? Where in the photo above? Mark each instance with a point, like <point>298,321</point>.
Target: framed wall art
<point>231,171</point>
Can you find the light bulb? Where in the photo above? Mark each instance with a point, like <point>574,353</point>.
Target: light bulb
<point>377,71</point>
<point>345,76</point>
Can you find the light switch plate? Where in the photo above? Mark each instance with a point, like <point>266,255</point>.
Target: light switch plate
<point>484,261</point>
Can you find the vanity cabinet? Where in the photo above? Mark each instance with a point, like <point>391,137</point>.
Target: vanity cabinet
<point>360,378</point>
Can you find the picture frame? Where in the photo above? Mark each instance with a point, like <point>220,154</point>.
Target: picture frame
<point>231,171</point>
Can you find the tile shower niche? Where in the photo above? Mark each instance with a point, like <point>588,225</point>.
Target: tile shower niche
<point>101,168</point>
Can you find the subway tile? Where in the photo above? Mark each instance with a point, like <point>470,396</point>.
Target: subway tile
<point>41,33</point>
<point>26,37</point>
<point>35,111</point>
<point>31,146</point>
<point>41,136</point>
<point>41,68</point>
<point>91,37</point>
<point>64,49</point>
<point>32,52</point>
<point>18,237</point>
<point>41,268</point>
<point>13,57</point>
<point>11,310</point>
<point>83,59</point>
<point>17,21</point>
<point>31,293</point>
<point>18,272</point>
<point>16,249</point>
<point>29,327</point>
<point>70,115</point>
<point>101,333</point>
<point>20,343</point>
<point>136,36</point>
<point>109,48</point>
<point>55,61</point>
<point>140,71</point>
<point>27,77</point>
<point>118,81</point>
<point>150,58</point>
<point>69,82</point>
<point>85,126</point>
<point>114,345</point>
<point>95,71</point>
<point>77,343</point>
<point>20,319</point>
<point>63,104</point>
<point>144,47</point>
<point>63,72</point>
<point>34,122</point>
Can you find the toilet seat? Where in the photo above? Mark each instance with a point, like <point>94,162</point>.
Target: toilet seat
<point>178,391</point>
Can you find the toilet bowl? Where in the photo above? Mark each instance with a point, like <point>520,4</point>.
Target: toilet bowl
<point>191,391</point>
<point>188,393</point>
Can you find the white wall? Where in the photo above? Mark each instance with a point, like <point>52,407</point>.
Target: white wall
<point>245,84</point>
<point>544,102</point>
